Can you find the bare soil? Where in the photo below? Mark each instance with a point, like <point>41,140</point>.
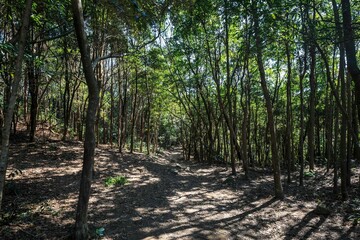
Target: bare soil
<point>165,198</point>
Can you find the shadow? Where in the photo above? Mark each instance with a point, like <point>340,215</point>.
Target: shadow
<point>39,208</point>
<point>163,199</point>
<point>305,228</point>
<point>353,230</point>
<point>39,202</point>
<point>159,202</point>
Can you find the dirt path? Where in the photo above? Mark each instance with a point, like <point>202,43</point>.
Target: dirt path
<point>163,199</point>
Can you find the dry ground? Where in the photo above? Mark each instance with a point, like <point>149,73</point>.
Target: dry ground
<point>164,198</point>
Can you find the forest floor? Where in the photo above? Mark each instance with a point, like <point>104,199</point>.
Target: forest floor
<point>165,198</point>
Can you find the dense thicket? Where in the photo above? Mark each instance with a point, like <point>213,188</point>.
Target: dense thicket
<point>270,84</point>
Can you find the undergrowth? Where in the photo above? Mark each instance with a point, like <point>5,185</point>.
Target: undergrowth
<point>117,180</point>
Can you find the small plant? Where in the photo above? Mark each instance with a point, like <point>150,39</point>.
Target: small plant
<point>309,174</point>
<point>118,180</point>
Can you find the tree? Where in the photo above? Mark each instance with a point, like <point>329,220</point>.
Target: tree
<point>81,227</point>
<point>9,110</point>
<point>271,122</point>
<point>349,43</point>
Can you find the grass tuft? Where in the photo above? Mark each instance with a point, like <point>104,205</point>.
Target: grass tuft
<point>118,180</point>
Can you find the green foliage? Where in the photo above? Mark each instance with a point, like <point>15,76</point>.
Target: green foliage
<point>309,174</point>
<point>6,48</point>
<point>117,180</point>
<point>169,131</point>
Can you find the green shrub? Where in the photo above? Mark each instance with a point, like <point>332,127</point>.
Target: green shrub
<point>118,180</point>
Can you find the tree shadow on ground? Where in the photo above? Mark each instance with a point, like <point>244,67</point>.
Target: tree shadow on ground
<point>40,199</point>
<point>164,203</point>
<point>164,199</point>
<point>308,225</point>
<point>39,208</point>
<point>196,203</point>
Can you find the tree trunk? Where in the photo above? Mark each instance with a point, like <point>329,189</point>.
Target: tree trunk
<point>142,130</point>
<point>288,141</point>
<point>302,126</point>
<point>245,129</point>
<point>112,102</point>
<point>311,133</point>
<point>228,93</point>
<point>350,140</point>
<point>355,124</point>
<point>343,135</point>
<point>33,75</point>
<point>349,43</point>
<point>25,104</point>
<point>148,123</point>
<point>215,73</point>
<point>9,109</point>
<point>33,80</point>
<point>133,119</point>
<point>120,107</point>
<point>124,112</point>
<point>81,227</point>
<point>271,123</point>
<point>66,94</point>
<point>329,130</point>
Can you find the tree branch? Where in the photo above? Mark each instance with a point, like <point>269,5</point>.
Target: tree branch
<point>136,49</point>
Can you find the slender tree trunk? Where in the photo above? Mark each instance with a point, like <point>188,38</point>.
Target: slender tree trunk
<point>271,122</point>
<point>142,126</point>
<point>33,80</point>
<point>25,104</point>
<point>148,123</point>
<point>244,137</point>
<point>81,227</point>
<point>343,135</point>
<point>133,119</point>
<point>112,102</point>
<point>301,135</point>
<point>311,133</point>
<point>120,107</point>
<point>343,128</point>
<point>302,72</point>
<point>245,129</point>
<point>255,134</point>
<point>336,162</point>
<point>33,76</point>
<point>355,124</point>
<point>329,130</point>
<point>66,94</point>
<point>156,138</point>
<point>124,111</point>
<point>228,94</point>
<point>350,141</point>
<point>349,43</point>
<point>9,109</point>
<point>228,120</point>
<point>288,141</point>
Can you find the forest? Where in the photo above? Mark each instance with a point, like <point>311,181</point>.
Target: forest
<point>179,119</point>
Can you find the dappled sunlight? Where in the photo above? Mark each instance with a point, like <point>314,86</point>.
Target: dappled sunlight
<point>161,199</point>
<point>221,194</point>
<point>140,181</point>
<point>196,203</point>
